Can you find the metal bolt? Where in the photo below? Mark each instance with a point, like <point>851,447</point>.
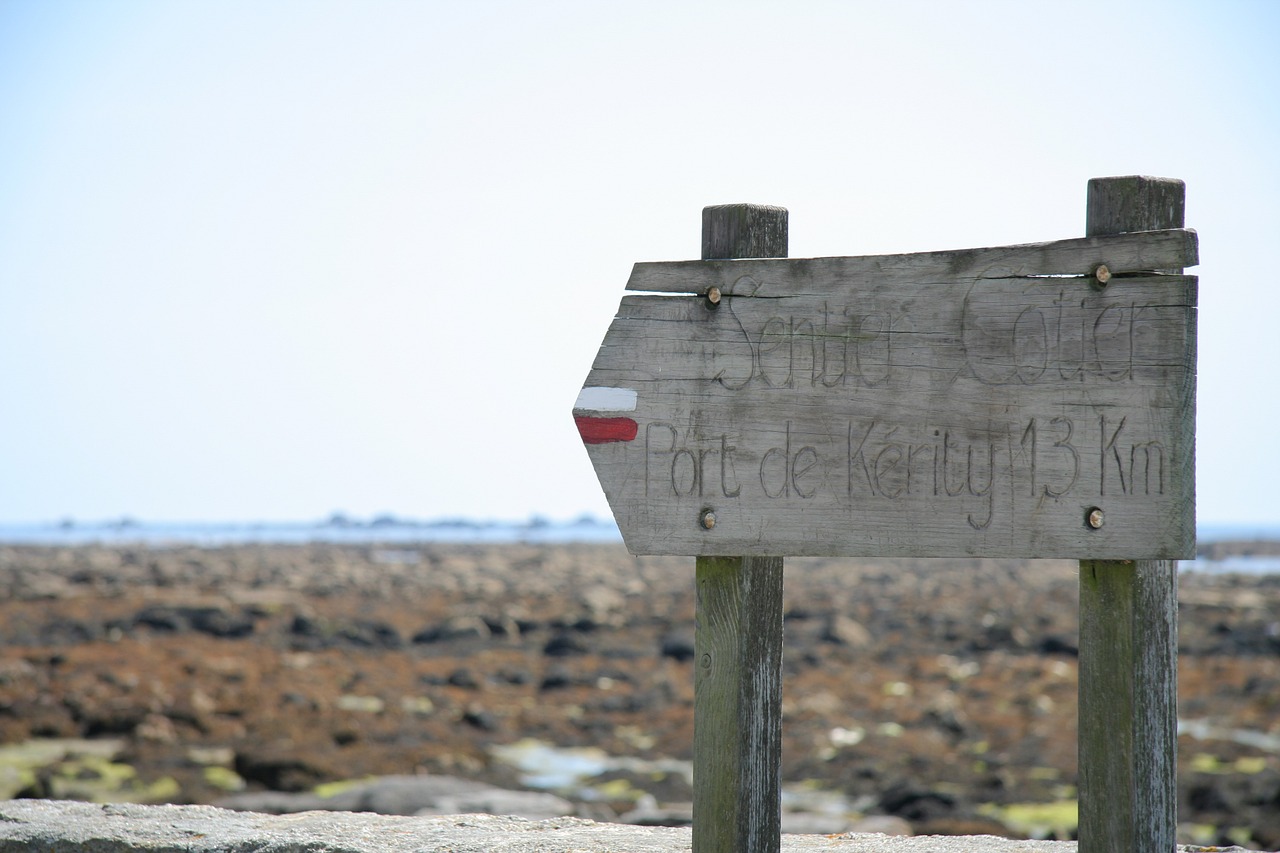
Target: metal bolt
<point>1102,274</point>
<point>1095,518</point>
<point>707,519</point>
<point>713,295</point>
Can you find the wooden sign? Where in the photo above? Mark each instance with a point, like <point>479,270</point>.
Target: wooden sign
<point>1024,401</point>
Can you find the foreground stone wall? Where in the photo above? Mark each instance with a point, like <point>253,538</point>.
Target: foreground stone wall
<point>75,827</point>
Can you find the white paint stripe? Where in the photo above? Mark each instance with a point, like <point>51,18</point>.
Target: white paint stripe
<point>598,398</point>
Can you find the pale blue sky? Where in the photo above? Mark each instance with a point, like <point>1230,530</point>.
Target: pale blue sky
<point>270,260</point>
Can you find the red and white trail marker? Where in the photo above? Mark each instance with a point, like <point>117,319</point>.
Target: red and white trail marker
<point>598,412</point>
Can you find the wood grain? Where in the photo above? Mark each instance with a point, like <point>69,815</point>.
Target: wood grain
<point>1080,256</point>
<point>737,746</point>
<point>930,406</point>
<point>1128,740</point>
<point>737,716</point>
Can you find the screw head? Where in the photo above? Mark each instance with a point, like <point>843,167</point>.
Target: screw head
<point>1102,274</point>
<point>707,519</point>
<point>1095,518</point>
<point>713,295</point>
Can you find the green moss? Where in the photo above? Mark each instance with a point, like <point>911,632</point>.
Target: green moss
<point>100,780</point>
<point>329,789</point>
<point>223,755</point>
<point>1037,820</point>
<point>1202,762</point>
<point>15,779</point>
<point>20,762</point>
<point>361,704</point>
<point>618,790</point>
<point>1199,833</point>
<point>1241,835</point>
<point>1250,765</point>
<point>163,790</point>
<point>223,778</point>
<point>419,705</point>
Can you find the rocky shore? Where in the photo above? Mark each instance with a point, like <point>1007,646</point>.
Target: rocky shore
<point>932,697</point>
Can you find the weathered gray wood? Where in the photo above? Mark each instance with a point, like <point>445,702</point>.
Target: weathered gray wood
<point>1122,253</point>
<point>1135,203</point>
<point>1129,623</point>
<point>737,716</point>
<point>1128,741</point>
<point>737,719</point>
<point>910,406</point>
<point>744,231</point>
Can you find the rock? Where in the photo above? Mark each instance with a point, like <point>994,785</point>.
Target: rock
<point>564,644</point>
<point>70,632</point>
<point>370,634</point>
<point>843,631</point>
<point>409,795</point>
<point>679,645</point>
<point>304,628</point>
<point>400,795</point>
<point>464,678</point>
<point>502,626</point>
<point>212,620</point>
<point>917,804</point>
<point>532,805</point>
<point>480,719</point>
<point>28,826</point>
<point>1053,644</point>
<point>663,786</point>
<point>454,628</point>
<point>515,676</point>
<point>160,619</point>
<point>602,606</point>
<point>157,728</point>
<point>653,815</point>
<point>272,802</point>
<point>220,622</point>
<point>279,772</point>
<point>812,823</point>
<point>883,824</point>
<point>559,677</point>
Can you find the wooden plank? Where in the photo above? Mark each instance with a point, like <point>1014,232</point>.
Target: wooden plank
<point>1128,741</point>
<point>1122,253</point>
<point>744,231</point>
<point>1116,206</point>
<point>737,719</point>
<point>1129,621</point>
<point>942,416</point>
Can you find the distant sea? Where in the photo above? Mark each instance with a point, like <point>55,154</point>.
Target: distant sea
<point>390,529</point>
<point>335,529</point>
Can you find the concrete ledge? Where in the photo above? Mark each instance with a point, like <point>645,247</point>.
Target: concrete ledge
<point>76,827</point>
<point>59,826</point>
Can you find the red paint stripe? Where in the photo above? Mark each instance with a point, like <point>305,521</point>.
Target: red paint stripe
<point>605,430</point>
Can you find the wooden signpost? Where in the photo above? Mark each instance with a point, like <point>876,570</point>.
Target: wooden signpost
<point>1025,401</point>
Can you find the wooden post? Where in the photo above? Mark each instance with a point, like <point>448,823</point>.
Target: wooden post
<point>1129,629</point>
<point>737,709</point>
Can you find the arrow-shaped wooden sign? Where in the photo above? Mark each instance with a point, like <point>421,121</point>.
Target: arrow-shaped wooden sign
<point>1024,401</point>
